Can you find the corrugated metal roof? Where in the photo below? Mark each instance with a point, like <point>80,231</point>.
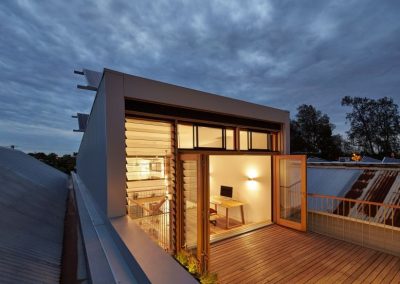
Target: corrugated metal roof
<point>331,181</point>
<point>32,207</point>
<point>367,159</point>
<point>389,160</point>
<point>367,184</point>
<point>315,159</point>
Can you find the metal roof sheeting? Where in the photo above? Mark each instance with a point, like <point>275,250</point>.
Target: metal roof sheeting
<point>380,185</point>
<point>331,181</point>
<point>32,208</point>
<point>315,159</point>
<point>389,160</point>
<point>367,159</point>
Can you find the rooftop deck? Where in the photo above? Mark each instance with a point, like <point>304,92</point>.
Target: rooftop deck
<point>276,254</point>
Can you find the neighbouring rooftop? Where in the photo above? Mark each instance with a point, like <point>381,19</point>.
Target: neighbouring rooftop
<point>32,209</point>
<point>339,179</point>
<point>365,183</point>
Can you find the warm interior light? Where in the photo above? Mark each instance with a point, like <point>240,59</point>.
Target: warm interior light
<point>252,173</point>
<point>252,184</point>
<point>144,169</point>
<point>251,176</point>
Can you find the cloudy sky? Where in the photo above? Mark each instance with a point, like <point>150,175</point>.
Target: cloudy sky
<point>279,53</point>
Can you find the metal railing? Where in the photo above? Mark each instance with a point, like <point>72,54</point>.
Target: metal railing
<point>371,224</point>
<point>291,201</point>
<point>151,211</point>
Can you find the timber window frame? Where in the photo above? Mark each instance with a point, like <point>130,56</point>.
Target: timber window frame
<point>198,136</point>
<point>248,137</point>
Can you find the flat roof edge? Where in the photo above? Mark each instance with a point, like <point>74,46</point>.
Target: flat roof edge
<point>105,70</point>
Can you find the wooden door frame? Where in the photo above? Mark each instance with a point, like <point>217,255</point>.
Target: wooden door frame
<point>203,195</point>
<point>287,223</point>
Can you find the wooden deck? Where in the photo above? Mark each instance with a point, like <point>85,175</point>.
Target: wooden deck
<point>276,254</point>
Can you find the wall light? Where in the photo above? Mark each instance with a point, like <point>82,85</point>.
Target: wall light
<point>251,173</point>
<point>252,184</point>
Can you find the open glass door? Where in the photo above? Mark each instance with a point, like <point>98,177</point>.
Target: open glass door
<point>194,207</point>
<point>291,191</point>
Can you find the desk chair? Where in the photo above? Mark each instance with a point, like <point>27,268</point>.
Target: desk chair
<point>213,216</point>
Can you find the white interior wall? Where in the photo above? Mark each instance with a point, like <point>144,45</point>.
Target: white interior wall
<point>235,171</point>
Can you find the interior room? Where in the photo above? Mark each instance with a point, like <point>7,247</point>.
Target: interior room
<point>240,193</point>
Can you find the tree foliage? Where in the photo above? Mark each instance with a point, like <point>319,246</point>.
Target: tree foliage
<point>374,125</point>
<point>312,133</point>
<point>65,163</point>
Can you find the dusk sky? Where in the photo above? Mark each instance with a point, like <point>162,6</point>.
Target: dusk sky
<point>276,53</point>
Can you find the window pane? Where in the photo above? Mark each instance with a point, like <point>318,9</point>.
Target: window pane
<point>185,136</point>
<point>243,140</point>
<point>230,137</point>
<point>210,137</point>
<point>145,169</point>
<point>190,189</point>
<point>259,140</point>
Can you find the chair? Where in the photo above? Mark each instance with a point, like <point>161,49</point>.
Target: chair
<point>213,216</point>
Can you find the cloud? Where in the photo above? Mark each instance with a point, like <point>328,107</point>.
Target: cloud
<point>278,53</point>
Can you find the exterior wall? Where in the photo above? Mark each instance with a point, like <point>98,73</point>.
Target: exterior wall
<point>101,158</point>
<point>92,155</point>
<point>286,136</point>
<point>368,234</point>
<point>150,90</point>
<point>115,124</point>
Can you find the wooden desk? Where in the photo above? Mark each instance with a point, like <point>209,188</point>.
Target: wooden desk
<point>227,203</point>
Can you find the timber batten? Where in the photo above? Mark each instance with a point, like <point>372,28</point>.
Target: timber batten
<point>276,254</point>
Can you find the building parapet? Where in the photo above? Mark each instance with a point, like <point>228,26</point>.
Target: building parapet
<point>105,262</point>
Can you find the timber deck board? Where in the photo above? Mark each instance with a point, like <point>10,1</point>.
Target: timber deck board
<point>275,254</point>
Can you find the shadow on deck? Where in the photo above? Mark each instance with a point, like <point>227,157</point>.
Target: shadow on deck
<point>277,254</point>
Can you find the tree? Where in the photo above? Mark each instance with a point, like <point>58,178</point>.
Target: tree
<point>311,132</point>
<point>387,126</point>
<point>374,125</point>
<point>64,163</point>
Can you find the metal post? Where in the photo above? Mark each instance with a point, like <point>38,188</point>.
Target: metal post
<point>384,227</point>
<point>343,202</point>
<point>362,227</point>
<point>392,223</point>
<point>312,206</point>
<point>369,222</point>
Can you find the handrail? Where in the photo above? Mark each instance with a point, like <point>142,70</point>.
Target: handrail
<point>353,200</point>
<point>293,184</point>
